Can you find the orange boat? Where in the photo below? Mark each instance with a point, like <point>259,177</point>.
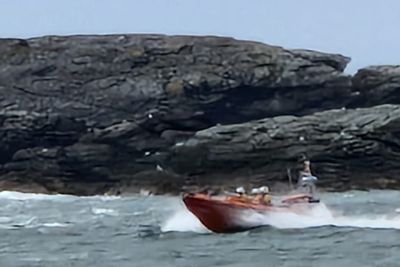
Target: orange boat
<point>224,214</point>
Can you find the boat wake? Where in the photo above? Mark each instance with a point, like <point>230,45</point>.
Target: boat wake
<point>321,215</point>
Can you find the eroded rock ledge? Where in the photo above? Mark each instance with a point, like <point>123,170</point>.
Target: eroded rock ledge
<point>350,148</point>
<point>90,114</point>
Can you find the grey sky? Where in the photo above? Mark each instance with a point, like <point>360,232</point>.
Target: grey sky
<point>365,30</point>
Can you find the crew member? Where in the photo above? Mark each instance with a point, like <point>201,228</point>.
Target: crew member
<point>241,192</point>
<point>307,180</point>
<point>264,197</point>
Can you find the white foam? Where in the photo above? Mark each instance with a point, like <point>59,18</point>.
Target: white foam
<point>54,224</point>
<point>13,195</point>
<point>99,211</point>
<point>375,222</point>
<point>183,221</point>
<point>30,196</point>
<point>320,215</point>
<point>104,198</point>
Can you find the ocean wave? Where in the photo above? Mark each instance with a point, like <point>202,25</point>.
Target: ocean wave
<point>12,195</point>
<point>54,224</point>
<point>104,211</point>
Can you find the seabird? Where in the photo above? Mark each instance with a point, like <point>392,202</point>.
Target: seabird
<point>159,168</point>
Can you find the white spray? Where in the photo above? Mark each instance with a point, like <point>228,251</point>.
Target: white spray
<point>184,221</point>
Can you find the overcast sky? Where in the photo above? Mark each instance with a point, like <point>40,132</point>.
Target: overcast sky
<point>365,30</point>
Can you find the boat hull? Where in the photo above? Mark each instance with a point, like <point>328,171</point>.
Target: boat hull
<point>217,217</point>
<point>226,215</point>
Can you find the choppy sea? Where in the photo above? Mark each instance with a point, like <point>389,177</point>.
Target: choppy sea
<point>356,228</point>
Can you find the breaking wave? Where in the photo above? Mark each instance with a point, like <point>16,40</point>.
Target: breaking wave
<point>103,211</point>
<point>12,195</point>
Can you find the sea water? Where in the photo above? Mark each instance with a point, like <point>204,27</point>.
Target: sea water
<point>348,229</point>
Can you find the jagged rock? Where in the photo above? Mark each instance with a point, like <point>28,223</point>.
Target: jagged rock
<point>86,114</point>
<point>87,109</point>
<point>376,85</point>
<point>337,62</point>
<point>166,82</point>
<point>349,148</point>
<point>23,129</point>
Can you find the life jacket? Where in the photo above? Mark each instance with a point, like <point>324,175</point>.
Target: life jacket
<point>267,199</point>
<point>263,199</point>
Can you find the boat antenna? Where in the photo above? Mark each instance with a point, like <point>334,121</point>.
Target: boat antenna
<point>289,174</point>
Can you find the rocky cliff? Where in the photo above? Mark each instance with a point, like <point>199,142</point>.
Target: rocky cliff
<point>90,114</point>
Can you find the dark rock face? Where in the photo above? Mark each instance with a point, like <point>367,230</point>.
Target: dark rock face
<point>86,114</point>
<point>376,85</point>
<point>345,146</point>
<point>179,83</point>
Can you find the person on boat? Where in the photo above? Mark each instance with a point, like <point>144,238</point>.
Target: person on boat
<point>263,197</point>
<point>306,171</point>
<point>255,191</point>
<point>241,194</point>
<point>307,180</point>
<point>240,191</point>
